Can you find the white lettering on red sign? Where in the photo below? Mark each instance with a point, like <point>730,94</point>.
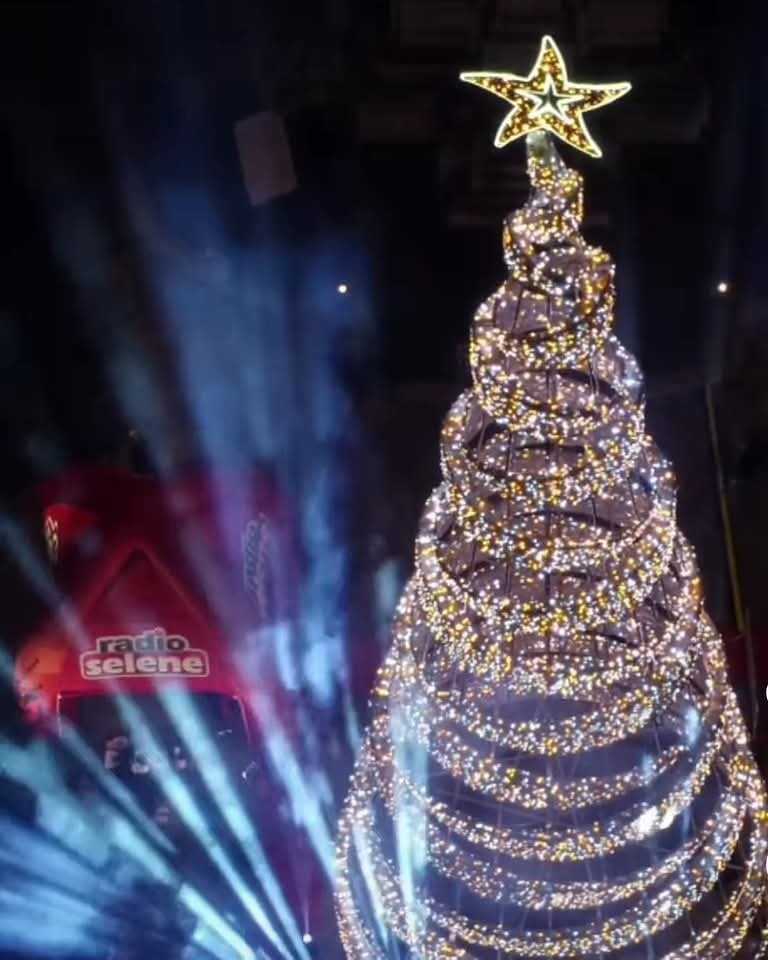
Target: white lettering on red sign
<point>153,653</point>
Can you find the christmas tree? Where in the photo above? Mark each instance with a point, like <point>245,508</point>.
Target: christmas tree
<point>556,764</point>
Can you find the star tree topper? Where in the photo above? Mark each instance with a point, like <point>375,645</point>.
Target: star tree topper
<point>547,100</point>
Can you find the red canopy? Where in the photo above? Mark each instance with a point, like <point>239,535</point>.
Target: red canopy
<point>160,581</point>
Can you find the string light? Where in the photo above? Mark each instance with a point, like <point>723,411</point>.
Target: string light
<point>547,100</point>
<point>555,710</point>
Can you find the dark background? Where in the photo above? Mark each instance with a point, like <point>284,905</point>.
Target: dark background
<point>121,181</point>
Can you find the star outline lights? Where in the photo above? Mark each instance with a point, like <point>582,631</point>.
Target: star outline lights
<point>547,100</point>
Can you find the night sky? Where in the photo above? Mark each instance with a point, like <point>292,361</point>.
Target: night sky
<point>121,182</point>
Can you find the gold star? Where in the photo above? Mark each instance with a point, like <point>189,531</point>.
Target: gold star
<point>547,100</point>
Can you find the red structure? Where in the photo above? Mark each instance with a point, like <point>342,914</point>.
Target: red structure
<point>161,583</point>
<point>168,586</point>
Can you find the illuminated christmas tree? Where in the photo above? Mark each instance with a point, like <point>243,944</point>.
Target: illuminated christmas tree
<point>556,766</point>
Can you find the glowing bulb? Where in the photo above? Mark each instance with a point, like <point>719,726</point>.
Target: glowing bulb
<point>307,937</point>
<point>646,822</point>
<point>343,288</point>
<point>722,287</point>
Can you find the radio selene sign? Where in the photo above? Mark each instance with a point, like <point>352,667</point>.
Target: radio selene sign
<point>152,653</point>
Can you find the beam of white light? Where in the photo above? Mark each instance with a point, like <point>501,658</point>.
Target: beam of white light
<point>305,798</point>
<point>61,898</point>
<point>81,830</point>
<point>79,243</point>
<point>34,767</point>
<point>352,723</point>
<point>75,896</point>
<point>209,918</point>
<point>33,852</point>
<point>274,643</point>
<point>85,834</point>
<point>388,586</point>
<point>410,833</point>
<point>115,790</point>
<point>371,880</point>
<point>62,814</point>
<point>323,659</point>
<point>57,811</point>
<point>193,900</point>
<point>181,709</point>
<point>42,922</point>
<point>184,804</point>
<point>234,414</point>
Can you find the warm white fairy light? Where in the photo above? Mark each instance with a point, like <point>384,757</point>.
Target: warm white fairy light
<point>554,620</point>
<point>547,100</point>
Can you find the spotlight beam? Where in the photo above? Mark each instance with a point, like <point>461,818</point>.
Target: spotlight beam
<point>181,709</point>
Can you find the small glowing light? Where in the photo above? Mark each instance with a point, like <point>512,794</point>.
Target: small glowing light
<point>343,288</point>
<point>307,938</point>
<point>722,287</point>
